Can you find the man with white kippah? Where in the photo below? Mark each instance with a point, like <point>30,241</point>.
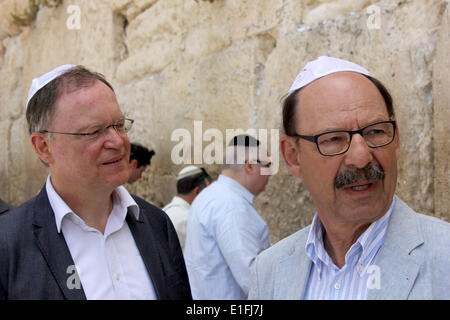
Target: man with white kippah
<point>341,138</point>
<point>224,231</point>
<point>84,236</point>
<point>190,181</point>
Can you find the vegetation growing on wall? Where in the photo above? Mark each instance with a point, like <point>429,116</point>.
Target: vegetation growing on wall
<point>29,14</point>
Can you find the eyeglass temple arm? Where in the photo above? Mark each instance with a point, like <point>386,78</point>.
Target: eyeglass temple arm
<point>309,138</point>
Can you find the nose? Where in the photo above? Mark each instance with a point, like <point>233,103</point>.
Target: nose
<point>113,139</point>
<point>359,154</point>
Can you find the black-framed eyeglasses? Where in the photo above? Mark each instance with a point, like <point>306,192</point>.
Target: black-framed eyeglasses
<point>333,143</point>
<point>122,125</point>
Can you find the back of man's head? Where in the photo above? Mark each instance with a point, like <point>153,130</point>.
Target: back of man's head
<point>190,178</point>
<point>239,150</point>
<point>247,162</point>
<point>141,154</point>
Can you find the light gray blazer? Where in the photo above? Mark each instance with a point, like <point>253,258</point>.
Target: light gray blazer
<point>414,261</point>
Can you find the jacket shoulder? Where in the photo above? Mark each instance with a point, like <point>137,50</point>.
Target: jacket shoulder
<point>432,229</point>
<point>148,208</point>
<point>284,248</point>
<point>15,219</point>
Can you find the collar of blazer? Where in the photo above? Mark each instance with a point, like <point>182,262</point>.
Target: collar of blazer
<point>57,254</point>
<point>4,207</point>
<point>398,260</point>
<point>53,246</point>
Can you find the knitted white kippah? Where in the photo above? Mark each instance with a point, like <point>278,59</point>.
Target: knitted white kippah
<point>40,82</point>
<point>188,171</point>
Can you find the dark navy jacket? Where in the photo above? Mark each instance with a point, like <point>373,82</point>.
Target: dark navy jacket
<point>34,257</point>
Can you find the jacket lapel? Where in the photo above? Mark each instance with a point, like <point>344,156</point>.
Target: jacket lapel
<point>146,242</point>
<point>398,267</point>
<point>3,207</point>
<point>293,272</point>
<point>53,246</point>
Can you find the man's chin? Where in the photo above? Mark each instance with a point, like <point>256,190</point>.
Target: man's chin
<point>364,209</point>
<point>117,181</point>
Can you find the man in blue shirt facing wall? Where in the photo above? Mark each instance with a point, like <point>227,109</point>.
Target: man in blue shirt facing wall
<point>224,231</point>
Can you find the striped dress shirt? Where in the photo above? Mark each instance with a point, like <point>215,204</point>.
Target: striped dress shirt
<point>359,274</point>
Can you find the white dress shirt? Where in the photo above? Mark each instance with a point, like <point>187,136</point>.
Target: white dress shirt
<point>109,265</point>
<point>224,235</point>
<point>178,212</point>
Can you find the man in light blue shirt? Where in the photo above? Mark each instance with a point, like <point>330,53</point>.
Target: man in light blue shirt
<point>224,231</point>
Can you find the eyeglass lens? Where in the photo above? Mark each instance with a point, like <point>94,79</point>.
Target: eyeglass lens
<point>376,135</point>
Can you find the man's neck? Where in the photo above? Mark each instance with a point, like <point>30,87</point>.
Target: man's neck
<point>238,177</point>
<point>189,198</point>
<point>338,242</point>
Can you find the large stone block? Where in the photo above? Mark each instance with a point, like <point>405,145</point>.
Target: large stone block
<point>8,7</point>
<point>5,125</point>
<point>27,173</point>
<point>441,116</point>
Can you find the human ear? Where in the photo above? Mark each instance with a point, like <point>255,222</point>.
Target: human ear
<point>289,150</point>
<point>133,164</point>
<point>42,147</point>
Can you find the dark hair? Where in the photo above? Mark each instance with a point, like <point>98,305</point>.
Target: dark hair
<point>244,140</point>
<point>232,158</point>
<point>141,154</point>
<point>40,108</point>
<point>207,176</point>
<point>291,101</point>
<point>187,184</point>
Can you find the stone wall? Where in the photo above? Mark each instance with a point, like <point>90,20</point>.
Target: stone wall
<point>228,64</point>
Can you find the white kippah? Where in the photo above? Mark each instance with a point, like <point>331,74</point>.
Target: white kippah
<point>39,83</point>
<point>321,67</point>
<point>188,171</point>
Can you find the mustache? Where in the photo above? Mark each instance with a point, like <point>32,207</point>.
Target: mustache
<point>355,175</point>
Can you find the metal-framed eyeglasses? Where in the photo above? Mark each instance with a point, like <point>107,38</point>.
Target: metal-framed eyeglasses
<point>337,142</point>
<point>263,163</point>
<point>121,126</point>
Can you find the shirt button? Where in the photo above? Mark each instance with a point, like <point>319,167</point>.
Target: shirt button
<point>361,268</point>
<point>117,277</point>
<point>337,285</point>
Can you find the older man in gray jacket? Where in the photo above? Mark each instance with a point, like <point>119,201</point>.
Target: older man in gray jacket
<point>341,138</point>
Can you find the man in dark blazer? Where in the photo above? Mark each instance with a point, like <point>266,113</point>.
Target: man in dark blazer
<point>84,236</point>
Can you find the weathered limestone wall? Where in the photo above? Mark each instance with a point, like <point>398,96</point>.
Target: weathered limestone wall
<point>228,64</point>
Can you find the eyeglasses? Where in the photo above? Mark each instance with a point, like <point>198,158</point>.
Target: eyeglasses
<point>263,163</point>
<point>122,126</point>
<point>333,143</point>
